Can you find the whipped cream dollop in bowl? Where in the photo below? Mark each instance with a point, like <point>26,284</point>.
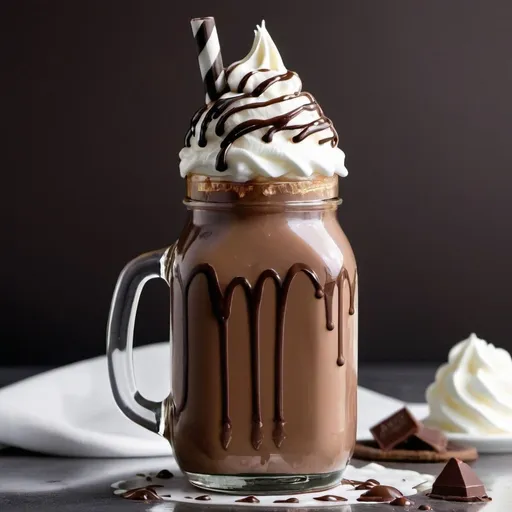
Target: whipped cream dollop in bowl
<point>471,397</point>
<point>263,126</point>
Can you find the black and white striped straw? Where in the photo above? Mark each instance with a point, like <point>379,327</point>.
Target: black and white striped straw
<point>209,56</point>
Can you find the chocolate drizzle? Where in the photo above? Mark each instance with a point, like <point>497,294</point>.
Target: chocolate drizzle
<point>275,124</point>
<point>221,304</point>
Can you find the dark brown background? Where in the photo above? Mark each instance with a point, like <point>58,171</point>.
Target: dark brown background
<point>95,99</point>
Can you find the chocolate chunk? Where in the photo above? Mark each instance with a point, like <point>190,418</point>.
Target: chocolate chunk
<point>427,439</point>
<point>380,493</point>
<point>402,501</point>
<point>403,429</point>
<point>330,497</point>
<point>395,430</point>
<point>424,507</point>
<point>164,474</point>
<point>249,499</point>
<point>289,500</point>
<point>204,497</point>
<point>458,482</point>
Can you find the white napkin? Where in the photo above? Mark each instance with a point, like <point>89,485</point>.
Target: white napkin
<point>71,411</point>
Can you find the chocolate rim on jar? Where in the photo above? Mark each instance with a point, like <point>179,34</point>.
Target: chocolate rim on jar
<point>318,190</point>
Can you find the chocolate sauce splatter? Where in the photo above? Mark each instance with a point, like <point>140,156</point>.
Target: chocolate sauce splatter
<point>204,497</point>
<point>402,501</point>
<point>369,484</point>
<point>380,493</point>
<point>289,500</point>
<point>165,474</point>
<point>249,499</point>
<point>142,494</point>
<point>330,497</point>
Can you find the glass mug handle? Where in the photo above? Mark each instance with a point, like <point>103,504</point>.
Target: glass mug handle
<point>121,323</point>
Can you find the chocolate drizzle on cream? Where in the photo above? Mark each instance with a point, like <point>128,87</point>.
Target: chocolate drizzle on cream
<point>221,303</point>
<point>274,124</point>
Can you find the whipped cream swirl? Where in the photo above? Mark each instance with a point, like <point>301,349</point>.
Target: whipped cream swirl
<point>262,126</point>
<point>472,393</point>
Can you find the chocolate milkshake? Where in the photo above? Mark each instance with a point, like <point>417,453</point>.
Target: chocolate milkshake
<point>263,291</point>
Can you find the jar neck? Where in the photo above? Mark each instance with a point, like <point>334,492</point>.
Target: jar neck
<point>278,192</point>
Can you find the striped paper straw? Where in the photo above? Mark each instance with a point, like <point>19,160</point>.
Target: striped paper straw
<point>210,57</point>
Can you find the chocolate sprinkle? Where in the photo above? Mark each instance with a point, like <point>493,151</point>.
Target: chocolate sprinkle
<point>289,500</point>
<point>204,497</point>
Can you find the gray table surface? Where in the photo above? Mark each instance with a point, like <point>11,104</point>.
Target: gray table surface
<point>83,485</point>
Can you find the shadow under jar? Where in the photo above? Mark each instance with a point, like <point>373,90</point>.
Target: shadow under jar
<point>264,337</point>
<point>264,328</point>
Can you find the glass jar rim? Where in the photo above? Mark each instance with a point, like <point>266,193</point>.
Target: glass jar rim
<point>317,191</point>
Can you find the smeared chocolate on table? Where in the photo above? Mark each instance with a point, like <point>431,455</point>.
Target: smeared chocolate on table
<point>402,501</point>
<point>248,499</point>
<point>147,493</point>
<point>330,497</point>
<point>380,493</point>
<point>368,484</point>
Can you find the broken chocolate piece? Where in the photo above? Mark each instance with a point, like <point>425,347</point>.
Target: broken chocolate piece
<point>395,429</point>
<point>404,431</point>
<point>380,493</point>
<point>426,439</point>
<point>458,482</point>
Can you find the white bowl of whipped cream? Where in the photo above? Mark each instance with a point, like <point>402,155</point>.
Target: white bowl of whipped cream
<point>471,397</point>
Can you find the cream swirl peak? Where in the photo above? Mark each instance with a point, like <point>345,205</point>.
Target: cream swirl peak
<point>472,392</point>
<point>262,126</point>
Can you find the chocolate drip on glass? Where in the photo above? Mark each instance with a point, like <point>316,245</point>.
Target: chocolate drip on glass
<point>221,303</point>
<point>329,294</point>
